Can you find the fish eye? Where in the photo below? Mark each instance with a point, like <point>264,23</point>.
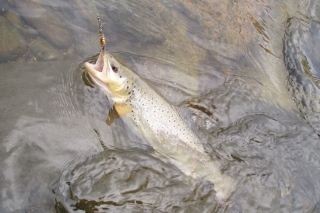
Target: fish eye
<point>114,68</point>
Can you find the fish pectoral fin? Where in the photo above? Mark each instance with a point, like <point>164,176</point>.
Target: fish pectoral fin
<point>113,115</point>
<point>122,109</point>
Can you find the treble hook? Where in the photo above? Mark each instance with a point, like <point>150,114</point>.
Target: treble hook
<point>102,38</point>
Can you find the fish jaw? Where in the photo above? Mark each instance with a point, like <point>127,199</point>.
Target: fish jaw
<point>98,71</point>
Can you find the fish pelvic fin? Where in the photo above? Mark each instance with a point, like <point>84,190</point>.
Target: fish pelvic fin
<point>122,109</point>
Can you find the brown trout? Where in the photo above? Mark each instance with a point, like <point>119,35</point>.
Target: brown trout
<point>155,121</point>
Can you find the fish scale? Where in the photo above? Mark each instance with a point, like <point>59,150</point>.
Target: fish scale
<point>156,122</point>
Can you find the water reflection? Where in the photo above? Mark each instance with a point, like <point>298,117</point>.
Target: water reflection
<point>244,75</point>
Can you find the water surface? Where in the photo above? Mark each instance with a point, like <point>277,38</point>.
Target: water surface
<point>243,74</point>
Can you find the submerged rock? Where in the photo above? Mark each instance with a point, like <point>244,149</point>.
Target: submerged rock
<point>14,19</point>
<point>44,51</point>
<point>81,14</point>
<point>85,41</point>
<point>49,24</point>
<point>25,30</point>
<point>12,43</point>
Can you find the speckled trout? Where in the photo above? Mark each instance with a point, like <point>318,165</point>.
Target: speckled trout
<point>154,119</point>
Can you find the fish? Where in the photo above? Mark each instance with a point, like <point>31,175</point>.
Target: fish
<point>152,117</point>
<point>158,123</point>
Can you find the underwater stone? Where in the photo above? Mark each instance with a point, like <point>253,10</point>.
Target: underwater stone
<point>12,43</point>
<point>48,23</point>
<point>44,51</point>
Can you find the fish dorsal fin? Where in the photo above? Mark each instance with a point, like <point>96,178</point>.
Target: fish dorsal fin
<point>122,109</point>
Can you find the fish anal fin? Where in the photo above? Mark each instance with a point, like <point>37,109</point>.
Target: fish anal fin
<point>122,109</point>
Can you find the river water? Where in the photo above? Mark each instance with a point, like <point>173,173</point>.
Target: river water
<point>243,74</point>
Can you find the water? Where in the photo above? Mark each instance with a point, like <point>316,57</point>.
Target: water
<point>244,75</point>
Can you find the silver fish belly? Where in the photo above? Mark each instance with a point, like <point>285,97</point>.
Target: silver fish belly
<point>157,122</point>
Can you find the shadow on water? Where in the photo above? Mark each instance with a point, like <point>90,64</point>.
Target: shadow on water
<point>243,74</point>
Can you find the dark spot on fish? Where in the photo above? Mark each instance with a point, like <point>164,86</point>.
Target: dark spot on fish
<point>127,87</point>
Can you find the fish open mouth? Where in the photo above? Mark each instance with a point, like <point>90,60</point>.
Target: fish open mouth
<point>95,67</point>
<point>97,71</point>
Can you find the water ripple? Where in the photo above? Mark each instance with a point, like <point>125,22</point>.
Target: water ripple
<point>301,54</point>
